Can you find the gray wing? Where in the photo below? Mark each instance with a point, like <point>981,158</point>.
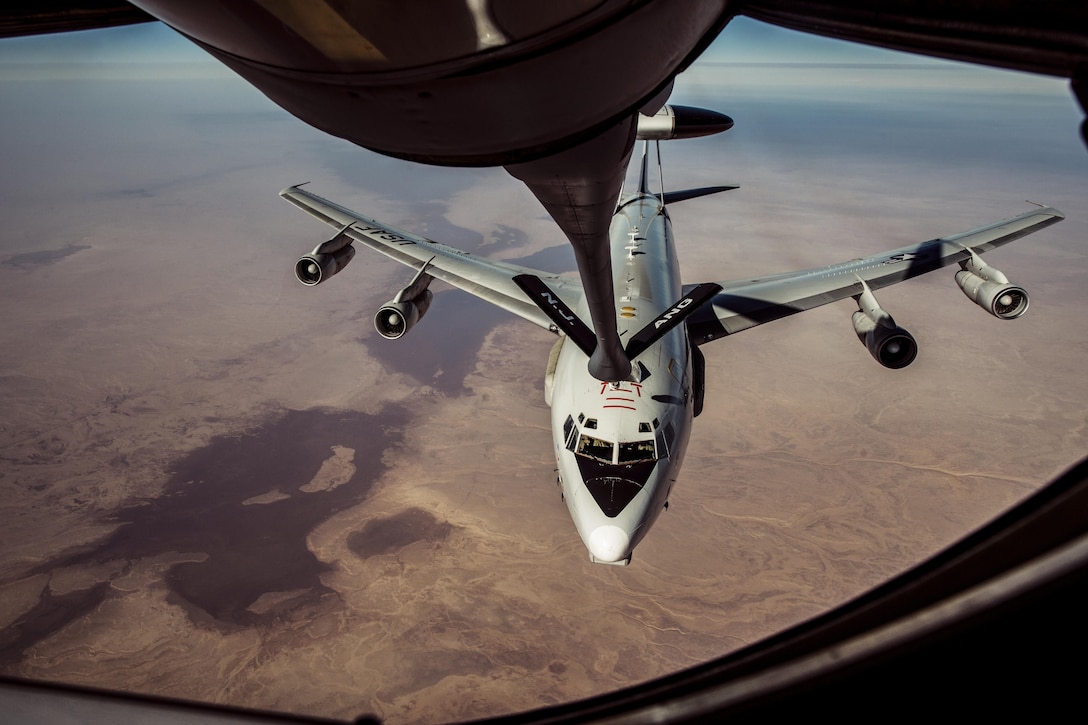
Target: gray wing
<point>487,279</point>
<point>747,303</point>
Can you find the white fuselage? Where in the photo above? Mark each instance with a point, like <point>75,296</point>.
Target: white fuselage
<point>619,447</point>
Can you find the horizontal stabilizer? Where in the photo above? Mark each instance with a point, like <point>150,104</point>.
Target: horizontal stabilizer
<point>670,318</point>
<point>671,197</point>
<point>558,312</point>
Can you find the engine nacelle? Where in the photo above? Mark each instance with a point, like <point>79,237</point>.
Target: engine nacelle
<point>400,314</point>
<point>1003,301</point>
<point>890,345</point>
<point>327,259</point>
<point>395,318</point>
<point>990,289</point>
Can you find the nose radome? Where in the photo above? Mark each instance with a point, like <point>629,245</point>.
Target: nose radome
<point>608,543</point>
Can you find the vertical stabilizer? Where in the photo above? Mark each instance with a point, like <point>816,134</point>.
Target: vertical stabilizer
<point>644,175</point>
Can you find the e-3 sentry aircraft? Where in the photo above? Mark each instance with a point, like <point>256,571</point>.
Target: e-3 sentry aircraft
<point>619,444</point>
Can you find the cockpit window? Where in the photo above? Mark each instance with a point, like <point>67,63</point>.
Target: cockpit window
<point>634,451</point>
<point>594,448</point>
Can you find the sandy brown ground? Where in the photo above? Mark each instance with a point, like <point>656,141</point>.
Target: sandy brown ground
<point>456,586</point>
<point>494,601</point>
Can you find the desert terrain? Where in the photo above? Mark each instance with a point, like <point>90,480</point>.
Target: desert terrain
<point>221,485</point>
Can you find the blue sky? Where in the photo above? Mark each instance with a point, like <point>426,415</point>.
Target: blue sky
<point>129,44</point>
<point>743,41</point>
<point>748,56</point>
<point>748,41</point>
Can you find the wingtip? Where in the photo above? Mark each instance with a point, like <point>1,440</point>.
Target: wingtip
<point>1048,209</point>
<point>289,189</point>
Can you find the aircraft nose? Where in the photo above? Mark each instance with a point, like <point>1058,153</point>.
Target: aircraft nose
<point>608,543</point>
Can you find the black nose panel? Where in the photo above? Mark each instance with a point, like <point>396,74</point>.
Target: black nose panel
<point>612,486</point>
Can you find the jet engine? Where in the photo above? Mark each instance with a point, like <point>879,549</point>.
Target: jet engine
<point>990,289</point>
<point>890,345</point>
<point>327,259</point>
<point>400,314</point>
